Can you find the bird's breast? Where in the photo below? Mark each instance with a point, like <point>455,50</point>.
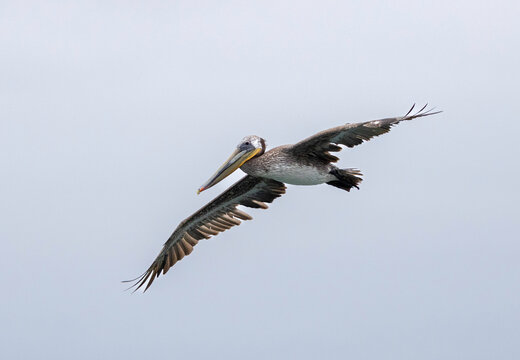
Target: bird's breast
<point>289,172</point>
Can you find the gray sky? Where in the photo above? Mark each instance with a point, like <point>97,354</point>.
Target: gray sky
<point>113,113</point>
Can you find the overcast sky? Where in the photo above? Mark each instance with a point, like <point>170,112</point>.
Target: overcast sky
<point>113,113</point>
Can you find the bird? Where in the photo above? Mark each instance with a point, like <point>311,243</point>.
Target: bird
<point>308,162</point>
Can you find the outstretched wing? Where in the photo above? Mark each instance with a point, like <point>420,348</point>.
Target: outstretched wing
<point>320,145</point>
<point>217,216</point>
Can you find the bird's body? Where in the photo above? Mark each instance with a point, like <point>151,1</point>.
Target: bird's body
<point>281,164</point>
<point>308,162</point>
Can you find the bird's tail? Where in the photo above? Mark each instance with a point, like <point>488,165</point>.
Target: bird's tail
<point>346,178</point>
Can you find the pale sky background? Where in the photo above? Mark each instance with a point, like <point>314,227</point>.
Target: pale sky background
<point>112,113</point>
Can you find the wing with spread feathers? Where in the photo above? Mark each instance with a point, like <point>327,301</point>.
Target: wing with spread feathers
<point>321,144</point>
<point>217,216</point>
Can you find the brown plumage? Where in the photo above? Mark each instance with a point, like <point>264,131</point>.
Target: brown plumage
<point>321,144</point>
<point>214,218</point>
<point>307,162</point>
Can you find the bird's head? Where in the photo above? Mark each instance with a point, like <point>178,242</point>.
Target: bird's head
<point>251,146</point>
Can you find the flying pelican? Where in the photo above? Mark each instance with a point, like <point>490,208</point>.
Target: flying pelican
<point>308,162</point>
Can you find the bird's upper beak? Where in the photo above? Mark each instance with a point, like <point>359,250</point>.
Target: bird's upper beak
<point>236,160</point>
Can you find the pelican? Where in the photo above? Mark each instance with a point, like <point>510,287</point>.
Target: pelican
<point>308,162</point>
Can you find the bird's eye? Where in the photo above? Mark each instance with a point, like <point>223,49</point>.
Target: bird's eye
<point>247,143</point>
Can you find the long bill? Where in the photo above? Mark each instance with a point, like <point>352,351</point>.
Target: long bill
<point>236,160</point>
